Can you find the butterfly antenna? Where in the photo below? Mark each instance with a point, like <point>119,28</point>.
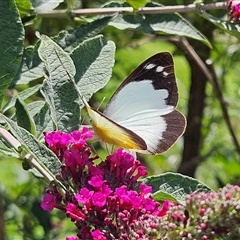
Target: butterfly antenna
<point>83,99</point>
<point>112,149</point>
<point>106,147</point>
<point>83,119</point>
<point>94,149</point>
<point>101,102</point>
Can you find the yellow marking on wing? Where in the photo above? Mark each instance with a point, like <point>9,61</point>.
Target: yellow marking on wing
<point>110,132</point>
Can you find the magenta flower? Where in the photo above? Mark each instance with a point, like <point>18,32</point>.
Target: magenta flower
<point>102,200</point>
<point>84,196</point>
<point>106,190</point>
<point>58,141</point>
<point>98,199</point>
<point>165,207</point>
<point>48,202</point>
<point>73,212</point>
<point>96,181</point>
<point>72,238</point>
<point>97,235</point>
<point>145,189</point>
<point>234,10</point>
<point>84,134</point>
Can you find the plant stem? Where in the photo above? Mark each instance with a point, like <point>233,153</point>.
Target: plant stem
<point>127,10</point>
<point>12,141</point>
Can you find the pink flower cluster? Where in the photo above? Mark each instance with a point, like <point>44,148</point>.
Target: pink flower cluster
<point>234,10</point>
<point>101,199</point>
<point>213,215</point>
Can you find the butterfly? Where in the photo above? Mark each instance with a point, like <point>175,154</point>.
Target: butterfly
<point>141,114</point>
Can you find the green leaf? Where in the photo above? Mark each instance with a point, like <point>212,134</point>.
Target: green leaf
<point>136,4</point>
<point>58,90</point>
<point>43,121</point>
<point>174,186</point>
<point>40,113</point>
<point>31,68</point>
<point>24,120</point>
<point>11,44</point>
<point>94,60</point>
<point>35,107</point>
<point>161,196</point>
<point>71,39</point>
<point>39,151</point>
<point>45,5</point>
<point>24,7</point>
<point>8,150</point>
<point>173,24</point>
<point>23,95</point>
<point>229,27</point>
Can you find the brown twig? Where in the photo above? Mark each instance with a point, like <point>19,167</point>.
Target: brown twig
<point>127,10</point>
<point>212,78</point>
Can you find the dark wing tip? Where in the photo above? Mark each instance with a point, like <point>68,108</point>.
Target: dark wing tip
<point>176,124</point>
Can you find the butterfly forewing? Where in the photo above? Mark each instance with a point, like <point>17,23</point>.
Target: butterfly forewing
<point>152,82</point>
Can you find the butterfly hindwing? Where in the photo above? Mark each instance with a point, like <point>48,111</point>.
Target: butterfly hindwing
<point>114,133</point>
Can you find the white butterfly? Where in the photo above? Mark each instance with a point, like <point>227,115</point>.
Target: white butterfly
<point>141,114</point>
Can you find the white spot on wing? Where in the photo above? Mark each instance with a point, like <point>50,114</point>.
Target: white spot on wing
<point>165,74</point>
<point>159,69</point>
<point>150,66</point>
